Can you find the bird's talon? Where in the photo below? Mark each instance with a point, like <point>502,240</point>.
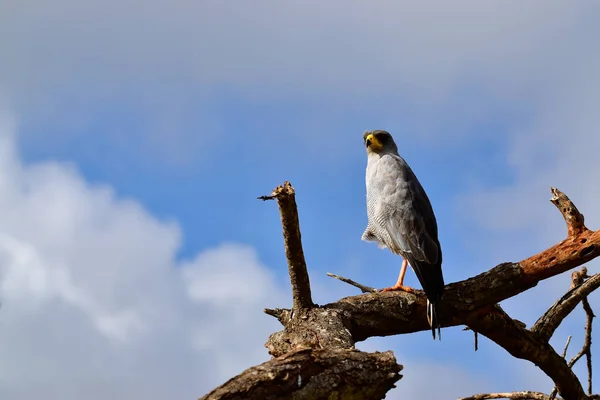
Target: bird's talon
<point>397,288</point>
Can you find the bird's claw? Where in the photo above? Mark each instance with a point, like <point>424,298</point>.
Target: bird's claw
<point>396,288</point>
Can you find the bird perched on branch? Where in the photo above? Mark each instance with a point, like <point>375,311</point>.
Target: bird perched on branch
<point>400,217</point>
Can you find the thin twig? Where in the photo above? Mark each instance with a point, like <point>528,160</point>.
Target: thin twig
<point>363,288</point>
<point>564,353</point>
<point>588,339</point>
<point>587,343</point>
<point>475,337</point>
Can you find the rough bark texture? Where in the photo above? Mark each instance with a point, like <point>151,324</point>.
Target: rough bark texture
<point>290,222</point>
<point>314,375</point>
<point>318,341</point>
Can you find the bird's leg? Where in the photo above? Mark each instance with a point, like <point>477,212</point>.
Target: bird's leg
<point>398,285</point>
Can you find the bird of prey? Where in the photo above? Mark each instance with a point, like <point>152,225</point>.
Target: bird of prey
<point>400,217</point>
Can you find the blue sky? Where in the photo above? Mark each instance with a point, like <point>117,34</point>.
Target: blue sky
<point>136,138</point>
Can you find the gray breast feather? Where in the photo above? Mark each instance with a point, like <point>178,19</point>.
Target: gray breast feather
<point>400,215</point>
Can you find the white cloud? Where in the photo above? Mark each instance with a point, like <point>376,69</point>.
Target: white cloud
<point>95,304</point>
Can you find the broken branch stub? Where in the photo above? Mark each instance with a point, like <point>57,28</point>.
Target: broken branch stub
<point>286,200</point>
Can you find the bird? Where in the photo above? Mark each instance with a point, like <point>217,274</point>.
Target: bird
<point>401,218</point>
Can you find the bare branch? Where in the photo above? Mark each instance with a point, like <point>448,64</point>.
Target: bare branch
<point>314,374</point>
<point>281,314</point>
<point>587,343</point>
<point>588,340</point>
<point>564,353</point>
<point>286,200</point>
<point>510,395</point>
<point>475,337</point>
<point>363,288</point>
<point>573,218</point>
<point>547,323</point>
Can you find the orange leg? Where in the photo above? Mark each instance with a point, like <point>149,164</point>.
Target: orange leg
<point>398,285</point>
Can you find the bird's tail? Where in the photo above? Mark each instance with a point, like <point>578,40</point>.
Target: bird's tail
<point>432,317</point>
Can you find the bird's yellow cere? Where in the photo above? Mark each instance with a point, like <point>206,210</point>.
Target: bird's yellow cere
<point>372,142</point>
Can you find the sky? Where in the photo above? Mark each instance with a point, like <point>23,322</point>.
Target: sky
<point>135,260</point>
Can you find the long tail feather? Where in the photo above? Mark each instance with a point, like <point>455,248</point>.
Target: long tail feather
<point>432,318</point>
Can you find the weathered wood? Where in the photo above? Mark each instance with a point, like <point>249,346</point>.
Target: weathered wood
<point>314,375</point>
<point>292,239</point>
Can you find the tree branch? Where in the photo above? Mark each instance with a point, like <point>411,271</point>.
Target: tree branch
<point>363,288</point>
<point>574,219</point>
<point>588,340</point>
<point>527,395</point>
<point>587,343</point>
<point>547,323</point>
<point>314,374</point>
<point>286,200</point>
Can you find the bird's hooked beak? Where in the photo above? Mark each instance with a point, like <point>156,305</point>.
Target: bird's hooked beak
<point>372,143</point>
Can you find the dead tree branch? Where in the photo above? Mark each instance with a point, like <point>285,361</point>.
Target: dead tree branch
<point>363,288</point>
<point>564,353</point>
<point>315,374</point>
<point>547,323</point>
<point>587,343</point>
<point>286,200</point>
<point>574,219</point>
<point>473,302</point>
<point>511,396</point>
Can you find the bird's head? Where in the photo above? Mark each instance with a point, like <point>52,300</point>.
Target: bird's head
<point>379,142</point>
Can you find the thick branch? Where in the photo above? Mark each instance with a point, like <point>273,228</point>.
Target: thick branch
<point>547,323</point>
<point>391,313</point>
<point>286,200</point>
<point>314,374</point>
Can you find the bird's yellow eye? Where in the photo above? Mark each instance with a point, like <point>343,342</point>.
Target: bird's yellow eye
<point>372,142</point>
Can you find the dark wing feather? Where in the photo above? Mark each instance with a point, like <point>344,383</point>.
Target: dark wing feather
<point>409,220</point>
<point>406,224</point>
